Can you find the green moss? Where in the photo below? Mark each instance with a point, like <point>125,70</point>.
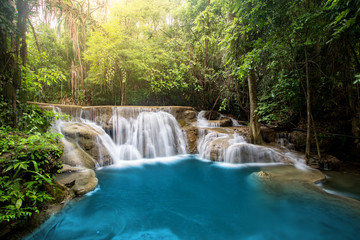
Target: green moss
<point>182,122</point>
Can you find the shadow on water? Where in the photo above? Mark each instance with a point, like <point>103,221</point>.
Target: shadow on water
<point>193,199</point>
<point>345,184</point>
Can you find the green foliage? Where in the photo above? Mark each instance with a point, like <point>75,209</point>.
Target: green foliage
<point>48,69</point>
<point>28,159</point>
<point>26,173</point>
<point>33,119</point>
<point>7,13</point>
<point>346,17</point>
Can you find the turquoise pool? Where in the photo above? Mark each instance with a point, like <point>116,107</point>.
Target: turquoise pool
<point>186,198</point>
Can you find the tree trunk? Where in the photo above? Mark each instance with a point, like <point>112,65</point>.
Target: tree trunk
<point>23,12</point>
<point>255,134</point>
<point>61,90</point>
<point>20,51</point>
<point>308,106</point>
<point>35,37</point>
<point>316,138</point>
<point>206,50</point>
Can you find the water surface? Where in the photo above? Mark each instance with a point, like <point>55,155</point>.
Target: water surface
<point>192,199</point>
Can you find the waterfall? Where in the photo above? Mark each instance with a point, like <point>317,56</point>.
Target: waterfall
<point>249,153</point>
<point>233,148</point>
<point>101,136</point>
<point>208,119</point>
<point>124,133</point>
<point>229,146</point>
<point>151,134</point>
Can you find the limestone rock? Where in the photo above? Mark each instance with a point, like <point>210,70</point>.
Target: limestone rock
<point>192,137</point>
<point>79,130</point>
<point>87,138</point>
<point>224,122</point>
<point>76,157</point>
<point>211,115</point>
<point>80,182</point>
<point>104,121</point>
<point>189,115</point>
<point>67,169</point>
<point>213,144</point>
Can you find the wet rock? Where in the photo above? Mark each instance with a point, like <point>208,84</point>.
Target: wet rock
<point>179,112</point>
<point>213,144</point>
<point>250,153</point>
<point>268,135</point>
<point>190,115</point>
<point>87,138</point>
<point>76,157</point>
<point>264,174</point>
<point>225,122</point>
<point>192,137</point>
<point>80,182</point>
<point>329,162</point>
<point>67,168</point>
<point>211,115</point>
<point>104,121</point>
<point>79,130</point>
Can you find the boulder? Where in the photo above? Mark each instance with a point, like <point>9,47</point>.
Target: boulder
<point>81,182</point>
<point>189,115</point>
<point>329,162</point>
<point>186,118</point>
<point>211,115</point>
<point>224,122</point>
<point>79,130</point>
<point>68,169</point>
<point>87,138</point>
<point>268,135</point>
<point>213,144</point>
<point>192,137</point>
<point>76,157</point>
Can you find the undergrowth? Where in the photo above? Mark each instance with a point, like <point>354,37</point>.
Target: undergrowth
<point>29,153</point>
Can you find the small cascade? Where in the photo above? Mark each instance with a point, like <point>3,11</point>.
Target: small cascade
<point>125,133</point>
<point>233,148</point>
<point>206,144</point>
<point>249,153</point>
<point>229,146</point>
<point>208,119</point>
<point>284,140</point>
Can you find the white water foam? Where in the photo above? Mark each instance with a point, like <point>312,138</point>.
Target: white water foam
<point>135,133</point>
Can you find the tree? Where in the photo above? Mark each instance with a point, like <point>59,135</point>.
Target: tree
<point>245,60</point>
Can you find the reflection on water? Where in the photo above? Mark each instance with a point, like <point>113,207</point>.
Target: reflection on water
<point>192,199</point>
<point>345,184</point>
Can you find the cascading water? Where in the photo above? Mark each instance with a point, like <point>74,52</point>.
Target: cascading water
<point>150,134</point>
<point>230,147</point>
<point>205,119</point>
<point>249,153</point>
<point>124,134</point>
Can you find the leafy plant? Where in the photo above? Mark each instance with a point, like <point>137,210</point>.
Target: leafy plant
<point>29,156</point>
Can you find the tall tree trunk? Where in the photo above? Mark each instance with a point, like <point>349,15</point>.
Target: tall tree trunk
<point>316,138</point>
<point>255,134</point>
<point>308,106</point>
<point>206,50</point>
<point>23,12</point>
<point>20,51</point>
<point>61,90</point>
<point>35,37</point>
